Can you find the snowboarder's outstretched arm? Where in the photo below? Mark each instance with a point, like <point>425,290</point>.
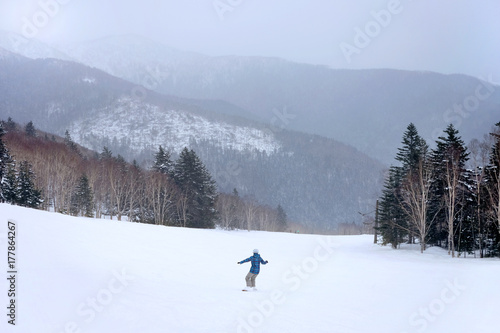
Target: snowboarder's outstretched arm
<point>245,260</point>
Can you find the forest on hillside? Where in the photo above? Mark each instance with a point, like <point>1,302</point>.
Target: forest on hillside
<point>448,196</point>
<point>42,171</point>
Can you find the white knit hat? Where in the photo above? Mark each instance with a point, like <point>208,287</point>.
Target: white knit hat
<point>256,251</point>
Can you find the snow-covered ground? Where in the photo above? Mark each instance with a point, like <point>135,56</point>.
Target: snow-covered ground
<point>87,275</point>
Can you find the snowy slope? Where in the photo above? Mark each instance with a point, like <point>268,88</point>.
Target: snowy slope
<point>30,48</point>
<point>86,275</point>
<point>4,54</point>
<point>140,126</point>
<point>133,58</point>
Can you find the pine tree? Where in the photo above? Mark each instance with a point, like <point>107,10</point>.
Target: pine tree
<point>70,143</point>
<point>30,129</point>
<point>5,161</point>
<point>492,189</point>
<point>392,220</point>
<point>414,148</point>
<point>10,125</point>
<point>82,199</point>
<point>467,224</point>
<point>106,153</point>
<point>163,162</point>
<point>9,186</point>
<point>281,218</point>
<point>27,194</point>
<point>412,156</point>
<point>448,162</point>
<point>196,183</point>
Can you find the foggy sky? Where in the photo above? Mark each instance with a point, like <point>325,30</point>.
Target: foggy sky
<point>447,36</point>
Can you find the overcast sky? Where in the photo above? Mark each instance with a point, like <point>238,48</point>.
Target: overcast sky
<point>447,36</point>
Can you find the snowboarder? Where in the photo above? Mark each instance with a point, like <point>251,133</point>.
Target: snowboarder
<point>254,270</point>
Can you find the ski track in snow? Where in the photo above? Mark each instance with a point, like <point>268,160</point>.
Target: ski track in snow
<point>89,275</point>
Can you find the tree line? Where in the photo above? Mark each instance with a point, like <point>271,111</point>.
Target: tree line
<point>447,196</point>
<point>66,178</point>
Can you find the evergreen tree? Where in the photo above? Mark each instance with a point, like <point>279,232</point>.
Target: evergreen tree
<point>394,223</point>
<point>10,125</point>
<point>163,162</point>
<point>235,208</point>
<point>30,129</point>
<point>9,186</point>
<point>414,148</point>
<point>467,224</point>
<point>448,186</point>
<point>27,194</point>
<point>70,143</point>
<point>412,156</point>
<point>492,189</point>
<point>82,199</point>
<point>196,183</point>
<point>281,218</point>
<point>5,160</point>
<point>106,153</point>
<point>392,220</point>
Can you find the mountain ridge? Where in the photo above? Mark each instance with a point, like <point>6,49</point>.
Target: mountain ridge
<point>367,108</point>
<point>318,181</point>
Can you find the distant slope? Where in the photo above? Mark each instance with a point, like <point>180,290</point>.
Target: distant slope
<point>318,181</point>
<point>139,127</point>
<point>368,109</point>
<point>30,48</point>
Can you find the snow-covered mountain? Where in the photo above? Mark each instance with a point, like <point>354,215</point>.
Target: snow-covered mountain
<point>142,126</point>
<point>30,48</point>
<point>369,109</point>
<point>133,58</point>
<point>4,54</point>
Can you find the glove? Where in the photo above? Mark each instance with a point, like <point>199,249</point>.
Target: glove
<point>267,262</point>
<point>239,263</point>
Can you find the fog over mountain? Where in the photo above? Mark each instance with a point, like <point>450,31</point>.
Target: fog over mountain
<point>320,182</point>
<point>446,36</point>
<point>368,109</point>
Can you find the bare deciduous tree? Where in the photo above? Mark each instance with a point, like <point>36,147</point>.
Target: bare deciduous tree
<point>415,195</point>
<point>161,196</point>
<point>453,175</point>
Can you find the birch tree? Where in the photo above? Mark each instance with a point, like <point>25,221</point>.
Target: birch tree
<point>416,197</point>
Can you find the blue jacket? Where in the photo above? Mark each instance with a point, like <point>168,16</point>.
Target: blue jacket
<point>256,261</point>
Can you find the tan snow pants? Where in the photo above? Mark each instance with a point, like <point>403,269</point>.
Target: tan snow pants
<point>250,279</point>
